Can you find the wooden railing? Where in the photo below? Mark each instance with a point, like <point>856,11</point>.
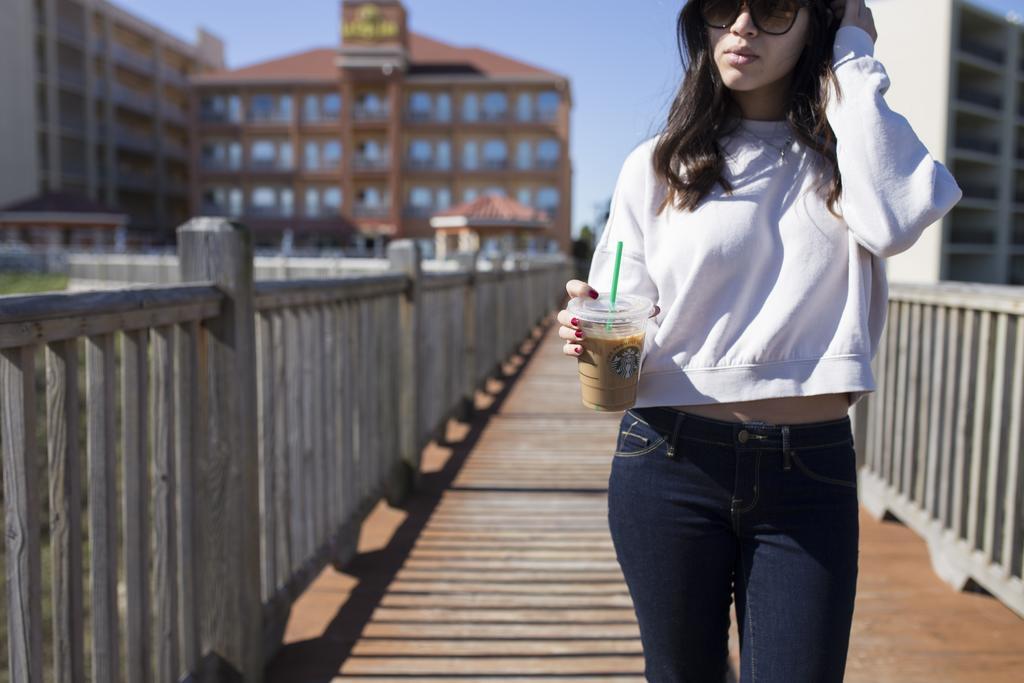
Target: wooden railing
<point>943,437</point>
<point>259,423</point>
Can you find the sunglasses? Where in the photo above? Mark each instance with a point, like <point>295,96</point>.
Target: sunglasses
<point>770,16</point>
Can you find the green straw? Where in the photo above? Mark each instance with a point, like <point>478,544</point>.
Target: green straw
<point>615,281</point>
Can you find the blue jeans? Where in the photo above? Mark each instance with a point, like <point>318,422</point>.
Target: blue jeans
<point>699,509</point>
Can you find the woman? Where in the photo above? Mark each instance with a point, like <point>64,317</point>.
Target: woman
<point>758,221</point>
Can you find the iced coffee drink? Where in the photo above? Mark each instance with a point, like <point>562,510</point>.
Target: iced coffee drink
<point>613,349</point>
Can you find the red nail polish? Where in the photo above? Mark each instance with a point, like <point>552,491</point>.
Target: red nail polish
<point>593,294</point>
<point>579,350</point>
<point>575,322</point>
<point>579,334</point>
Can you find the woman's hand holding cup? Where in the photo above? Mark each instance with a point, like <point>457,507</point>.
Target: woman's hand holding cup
<point>570,326</point>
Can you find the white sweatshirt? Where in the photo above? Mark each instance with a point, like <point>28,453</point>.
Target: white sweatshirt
<point>764,293</point>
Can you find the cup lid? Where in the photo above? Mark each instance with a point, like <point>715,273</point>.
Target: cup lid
<point>628,307</point>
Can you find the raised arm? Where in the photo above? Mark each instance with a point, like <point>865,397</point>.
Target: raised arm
<point>892,187</point>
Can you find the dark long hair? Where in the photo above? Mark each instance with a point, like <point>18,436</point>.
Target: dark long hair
<point>703,111</point>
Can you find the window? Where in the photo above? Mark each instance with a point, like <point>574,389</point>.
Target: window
<point>548,152</point>
<point>420,105</point>
<point>235,201</point>
<point>524,106</point>
<point>262,152</point>
<point>470,160</point>
<point>443,107</point>
<point>284,156</point>
<point>495,106</point>
<point>264,199</point>
<point>421,197</point>
<point>420,151</point>
<point>287,202</point>
<point>331,154</point>
<point>371,196</point>
<point>269,107</point>
<point>312,202</point>
<point>311,108</point>
<point>332,199</point>
<point>470,107</point>
<point>547,105</point>
<point>331,106</point>
<point>547,199</point>
<point>495,191</point>
<point>220,108</point>
<point>524,154</point>
<point>495,153</point>
<point>469,194</point>
<point>234,155</point>
<point>525,196</point>
<point>312,156</point>
<point>444,154</point>
<point>261,108</point>
<point>443,198</point>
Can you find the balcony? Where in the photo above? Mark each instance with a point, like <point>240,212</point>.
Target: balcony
<point>361,163</point>
<point>976,190</point>
<point>71,78</point>
<point>220,165</point>
<point>269,212</point>
<point>270,166</point>
<point>975,143</point>
<point>545,165</point>
<point>980,97</point>
<point>539,116</point>
<point>133,60</point>
<point>426,117</point>
<point>495,116</point>
<point>219,117</point>
<point>70,32</point>
<point>136,181</point>
<point>426,165</point>
<point>173,113</point>
<point>133,99</point>
<point>362,113</point>
<point>135,142</point>
<point>371,211</point>
<point>414,211</point>
<point>977,48</point>
<point>493,165</point>
<point>173,76</point>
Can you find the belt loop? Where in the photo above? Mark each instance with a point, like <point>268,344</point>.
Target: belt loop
<point>671,452</point>
<point>786,462</point>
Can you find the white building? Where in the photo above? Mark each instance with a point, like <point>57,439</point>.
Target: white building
<point>957,73</point>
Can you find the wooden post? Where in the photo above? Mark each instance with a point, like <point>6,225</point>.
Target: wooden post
<point>404,255</point>
<point>467,262</point>
<point>226,481</point>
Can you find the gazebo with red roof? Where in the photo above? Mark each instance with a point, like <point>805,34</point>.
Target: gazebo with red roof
<point>464,226</point>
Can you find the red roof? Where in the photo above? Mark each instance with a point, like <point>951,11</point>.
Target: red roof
<point>494,208</point>
<point>425,55</point>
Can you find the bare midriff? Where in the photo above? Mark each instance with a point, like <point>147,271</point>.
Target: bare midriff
<point>786,410</point>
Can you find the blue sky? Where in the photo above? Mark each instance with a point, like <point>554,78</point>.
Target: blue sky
<point>621,59</point>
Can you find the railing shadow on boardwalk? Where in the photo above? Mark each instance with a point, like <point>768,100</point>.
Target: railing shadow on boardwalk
<point>321,657</point>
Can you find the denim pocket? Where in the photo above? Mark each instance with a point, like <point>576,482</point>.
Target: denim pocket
<point>636,437</point>
<point>832,464</point>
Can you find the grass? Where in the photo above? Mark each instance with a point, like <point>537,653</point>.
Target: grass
<point>31,283</point>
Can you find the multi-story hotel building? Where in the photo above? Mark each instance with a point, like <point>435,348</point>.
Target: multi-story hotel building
<point>368,140</point>
<point>957,73</point>
<point>95,102</point>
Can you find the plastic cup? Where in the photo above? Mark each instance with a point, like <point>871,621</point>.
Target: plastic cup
<point>613,349</point>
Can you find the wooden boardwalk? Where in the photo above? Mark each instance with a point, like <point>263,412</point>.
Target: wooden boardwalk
<point>501,569</point>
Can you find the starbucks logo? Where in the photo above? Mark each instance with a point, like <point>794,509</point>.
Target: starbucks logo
<point>625,361</point>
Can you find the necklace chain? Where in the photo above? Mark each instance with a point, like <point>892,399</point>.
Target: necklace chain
<point>781,150</point>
